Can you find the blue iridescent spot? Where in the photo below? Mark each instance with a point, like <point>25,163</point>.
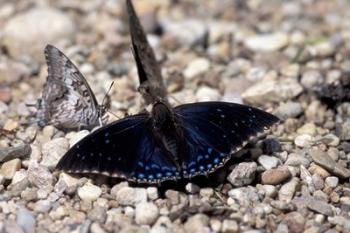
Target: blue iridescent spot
<point>168,174</point>
<point>216,160</point>
<point>206,156</point>
<point>177,173</point>
<point>210,150</point>
<point>165,169</point>
<point>219,110</point>
<point>147,168</point>
<point>106,134</point>
<point>159,175</point>
<point>199,158</point>
<point>222,116</point>
<point>209,166</point>
<point>141,176</point>
<point>192,170</point>
<point>107,141</point>
<point>150,177</point>
<point>155,166</point>
<point>140,164</point>
<point>201,168</point>
<point>222,155</point>
<point>191,164</point>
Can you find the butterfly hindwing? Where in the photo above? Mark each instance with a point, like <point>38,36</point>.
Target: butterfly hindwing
<point>123,149</point>
<point>214,130</point>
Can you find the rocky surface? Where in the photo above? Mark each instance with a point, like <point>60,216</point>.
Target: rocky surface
<point>269,54</point>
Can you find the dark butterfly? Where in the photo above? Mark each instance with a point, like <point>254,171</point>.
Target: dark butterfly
<point>168,144</point>
<point>149,72</point>
<point>67,100</point>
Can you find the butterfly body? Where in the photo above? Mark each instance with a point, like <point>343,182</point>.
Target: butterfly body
<point>168,143</point>
<point>67,101</point>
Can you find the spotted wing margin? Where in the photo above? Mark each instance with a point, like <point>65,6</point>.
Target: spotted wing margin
<point>215,130</point>
<point>122,149</point>
<point>62,71</point>
<point>147,65</point>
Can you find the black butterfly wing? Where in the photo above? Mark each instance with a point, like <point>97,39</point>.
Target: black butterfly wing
<point>67,97</point>
<point>149,71</point>
<point>123,149</point>
<point>214,130</point>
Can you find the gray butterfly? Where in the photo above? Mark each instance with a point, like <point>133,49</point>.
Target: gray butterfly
<point>67,100</point>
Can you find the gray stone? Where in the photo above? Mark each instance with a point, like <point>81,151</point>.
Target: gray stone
<point>311,79</point>
<point>26,220</point>
<point>287,190</point>
<point>40,176</point>
<point>267,42</point>
<point>244,196</point>
<point>205,93</point>
<point>146,213</point>
<point>17,152</point>
<point>324,160</point>
<point>268,162</point>
<point>27,33</point>
<point>196,67</point>
<point>97,214</point>
<point>332,181</point>
<point>89,192</point>
<point>53,151</point>
<point>229,226</point>
<point>289,110</point>
<point>274,91</point>
<point>320,206</point>
<point>243,174</point>
<point>197,224</point>
<point>297,160</point>
<point>187,32</point>
<point>192,188</point>
<point>131,196</point>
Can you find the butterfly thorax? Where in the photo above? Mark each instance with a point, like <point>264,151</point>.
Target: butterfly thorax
<point>166,133</point>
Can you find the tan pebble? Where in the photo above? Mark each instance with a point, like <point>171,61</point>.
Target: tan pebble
<point>11,125</point>
<point>315,169</point>
<point>9,168</point>
<point>275,176</point>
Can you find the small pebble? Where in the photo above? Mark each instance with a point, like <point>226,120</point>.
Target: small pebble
<point>243,174</point>
<point>275,176</point>
<point>89,192</point>
<point>9,168</point>
<point>146,213</point>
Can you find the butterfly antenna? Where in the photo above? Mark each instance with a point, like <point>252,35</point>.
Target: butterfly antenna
<point>106,95</point>
<point>176,100</point>
<point>115,115</point>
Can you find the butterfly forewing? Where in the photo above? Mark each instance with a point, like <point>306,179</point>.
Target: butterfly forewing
<point>123,149</point>
<point>149,71</point>
<point>67,100</point>
<point>214,130</point>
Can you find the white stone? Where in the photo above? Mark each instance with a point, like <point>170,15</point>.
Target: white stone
<point>196,67</point>
<point>89,192</point>
<point>268,162</point>
<point>131,196</point>
<point>53,151</point>
<point>28,33</point>
<point>304,140</point>
<point>205,93</point>
<point>146,213</point>
<point>268,42</point>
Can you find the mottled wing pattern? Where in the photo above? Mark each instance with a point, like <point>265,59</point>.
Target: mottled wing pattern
<point>148,68</point>
<point>67,101</point>
<point>124,149</point>
<point>215,130</point>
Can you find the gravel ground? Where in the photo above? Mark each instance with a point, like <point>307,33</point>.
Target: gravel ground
<point>270,54</point>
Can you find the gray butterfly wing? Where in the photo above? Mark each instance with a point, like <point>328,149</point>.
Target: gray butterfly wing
<point>151,81</point>
<point>67,101</point>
